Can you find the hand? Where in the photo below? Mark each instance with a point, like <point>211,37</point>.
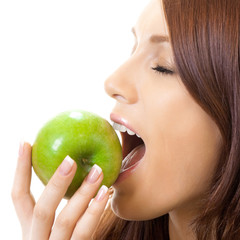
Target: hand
<point>77,220</point>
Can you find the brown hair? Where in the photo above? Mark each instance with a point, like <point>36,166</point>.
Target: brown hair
<point>205,40</point>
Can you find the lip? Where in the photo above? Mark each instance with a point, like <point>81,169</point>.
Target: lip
<point>117,119</point>
<point>130,170</point>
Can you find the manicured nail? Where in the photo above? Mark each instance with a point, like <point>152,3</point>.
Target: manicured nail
<point>94,174</point>
<point>21,147</point>
<point>66,166</point>
<point>101,193</point>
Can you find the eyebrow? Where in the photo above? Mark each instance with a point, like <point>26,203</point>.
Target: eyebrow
<point>155,38</point>
<point>159,38</point>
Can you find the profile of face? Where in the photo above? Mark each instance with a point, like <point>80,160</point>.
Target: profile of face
<point>181,141</point>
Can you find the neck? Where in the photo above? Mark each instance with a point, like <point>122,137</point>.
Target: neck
<point>179,225</point>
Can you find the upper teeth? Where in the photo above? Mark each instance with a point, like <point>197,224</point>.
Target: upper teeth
<point>122,128</point>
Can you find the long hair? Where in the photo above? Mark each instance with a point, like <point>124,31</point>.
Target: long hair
<point>206,47</point>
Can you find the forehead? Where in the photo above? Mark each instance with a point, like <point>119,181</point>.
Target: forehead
<point>151,21</point>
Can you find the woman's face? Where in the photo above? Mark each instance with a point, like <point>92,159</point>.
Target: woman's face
<point>181,141</point>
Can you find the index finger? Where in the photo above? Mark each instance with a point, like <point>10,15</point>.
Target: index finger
<point>44,211</point>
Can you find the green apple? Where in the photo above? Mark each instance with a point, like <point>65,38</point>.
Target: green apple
<point>85,137</point>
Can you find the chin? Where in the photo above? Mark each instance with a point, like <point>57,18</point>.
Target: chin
<point>127,211</point>
<point>123,210</point>
<point>125,215</point>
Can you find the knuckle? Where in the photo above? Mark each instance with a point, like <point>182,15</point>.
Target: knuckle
<point>83,192</point>
<point>56,184</point>
<point>64,222</point>
<point>81,235</point>
<point>16,195</point>
<point>41,213</point>
<point>93,211</point>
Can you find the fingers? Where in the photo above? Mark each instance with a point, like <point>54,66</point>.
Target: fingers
<point>44,211</point>
<point>77,205</point>
<point>77,220</point>
<point>21,196</point>
<point>87,225</point>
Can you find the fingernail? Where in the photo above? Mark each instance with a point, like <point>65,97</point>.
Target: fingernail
<point>101,193</point>
<point>94,174</point>
<point>66,166</point>
<point>20,151</point>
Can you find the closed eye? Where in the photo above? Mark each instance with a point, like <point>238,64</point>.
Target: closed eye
<point>163,70</point>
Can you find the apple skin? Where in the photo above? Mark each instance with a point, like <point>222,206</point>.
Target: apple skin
<point>86,138</point>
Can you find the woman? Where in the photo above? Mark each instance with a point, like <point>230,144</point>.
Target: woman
<point>180,92</point>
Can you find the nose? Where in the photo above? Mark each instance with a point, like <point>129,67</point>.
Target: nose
<point>122,84</point>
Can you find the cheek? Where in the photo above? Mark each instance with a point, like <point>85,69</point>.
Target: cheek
<point>187,144</point>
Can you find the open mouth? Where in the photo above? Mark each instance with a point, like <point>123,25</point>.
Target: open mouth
<point>133,147</point>
<point>129,143</point>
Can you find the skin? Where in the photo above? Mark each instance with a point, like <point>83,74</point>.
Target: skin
<point>182,141</point>
<point>182,150</point>
<point>77,220</point>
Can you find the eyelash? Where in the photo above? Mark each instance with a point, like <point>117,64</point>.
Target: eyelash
<point>162,70</point>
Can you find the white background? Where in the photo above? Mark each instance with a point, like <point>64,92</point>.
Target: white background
<point>54,56</point>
